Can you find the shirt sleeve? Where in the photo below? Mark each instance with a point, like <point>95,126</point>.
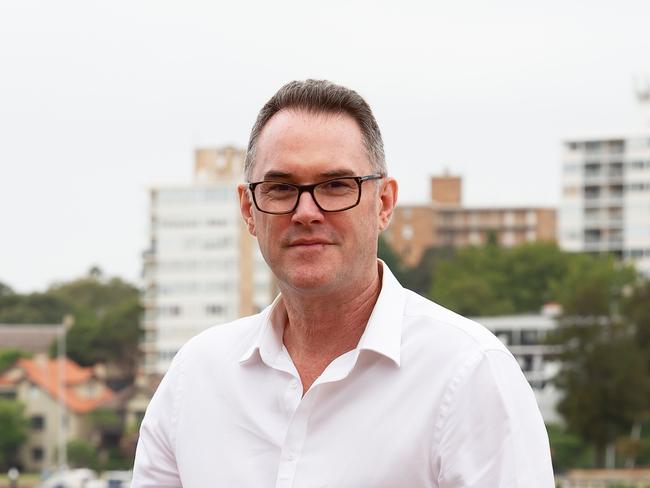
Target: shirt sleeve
<point>492,434</point>
<point>155,459</point>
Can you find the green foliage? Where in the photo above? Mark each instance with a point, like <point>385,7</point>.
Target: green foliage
<point>118,333</point>
<point>8,358</point>
<point>390,257</point>
<point>5,290</point>
<point>420,277</point>
<point>107,317</point>
<point>492,280</point>
<point>604,374</point>
<point>117,460</point>
<point>81,454</point>
<point>34,308</point>
<point>92,296</point>
<point>104,419</point>
<point>13,432</point>
<point>636,309</point>
<point>568,450</point>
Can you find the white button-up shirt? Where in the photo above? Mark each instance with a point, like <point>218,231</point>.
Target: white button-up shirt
<point>427,399</point>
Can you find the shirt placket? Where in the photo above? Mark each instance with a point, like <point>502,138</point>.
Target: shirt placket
<point>299,409</point>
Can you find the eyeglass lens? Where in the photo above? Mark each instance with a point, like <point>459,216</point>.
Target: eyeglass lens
<point>330,195</point>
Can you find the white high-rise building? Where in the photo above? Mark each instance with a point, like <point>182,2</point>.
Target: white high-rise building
<point>606,195</point>
<point>202,268</point>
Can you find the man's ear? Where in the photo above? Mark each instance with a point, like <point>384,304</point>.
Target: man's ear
<point>388,200</point>
<point>246,208</point>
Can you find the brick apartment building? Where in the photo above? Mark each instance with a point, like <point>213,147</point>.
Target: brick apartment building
<point>445,222</point>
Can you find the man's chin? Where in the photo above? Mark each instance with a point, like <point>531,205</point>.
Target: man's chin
<point>308,279</point>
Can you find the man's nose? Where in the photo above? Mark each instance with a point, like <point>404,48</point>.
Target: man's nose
<point>307,211</point>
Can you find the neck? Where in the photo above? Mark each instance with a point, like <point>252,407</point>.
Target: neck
<point>321,328</point>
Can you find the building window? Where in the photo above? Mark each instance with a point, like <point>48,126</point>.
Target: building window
<point>573,146</point>
<point>592,146</point>
<point>167,355</point>
<point>636,253</point>
<point>407,232</point>
<point>37,422</point>
<point>505,336</point>
<point>525,362</point>
<point>214,309</point>
<point>169,311</point>
<point>530,337</point>
<point>37,454</point>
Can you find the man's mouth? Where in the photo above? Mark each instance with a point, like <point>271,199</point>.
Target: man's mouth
<point>309,243</point>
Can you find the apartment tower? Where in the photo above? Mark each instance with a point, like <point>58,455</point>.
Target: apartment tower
<point>202,267</point>
<point>606,194</point>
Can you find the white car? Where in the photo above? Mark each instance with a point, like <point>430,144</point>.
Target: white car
<point>73,478</point>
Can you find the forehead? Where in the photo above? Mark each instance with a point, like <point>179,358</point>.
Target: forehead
<point>306,146</point>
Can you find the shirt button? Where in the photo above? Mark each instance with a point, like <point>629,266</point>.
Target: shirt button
<point>292,456</point>
<point>294,384</point>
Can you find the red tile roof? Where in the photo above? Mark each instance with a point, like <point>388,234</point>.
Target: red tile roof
<point>45,374</point>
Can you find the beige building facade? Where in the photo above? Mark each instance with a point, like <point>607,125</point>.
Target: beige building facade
<point>445,222</point>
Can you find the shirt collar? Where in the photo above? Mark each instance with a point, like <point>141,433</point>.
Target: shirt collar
<point>383,333</point>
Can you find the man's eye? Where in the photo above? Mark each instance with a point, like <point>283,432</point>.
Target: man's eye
<point>338,185</point>
<point>278,188</point>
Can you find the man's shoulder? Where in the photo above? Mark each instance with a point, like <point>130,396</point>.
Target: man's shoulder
<point>426,318</point>
<point>227,339</point>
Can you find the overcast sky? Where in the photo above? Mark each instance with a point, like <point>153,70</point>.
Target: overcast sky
<point>101,100</point>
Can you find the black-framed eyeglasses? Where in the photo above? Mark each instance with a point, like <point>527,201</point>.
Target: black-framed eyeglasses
<point>335,195</point>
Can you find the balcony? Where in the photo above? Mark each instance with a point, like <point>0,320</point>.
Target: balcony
<point>604,245</point>
<point>603,177</point>
<point>604,200</point>
<point>605,221</point>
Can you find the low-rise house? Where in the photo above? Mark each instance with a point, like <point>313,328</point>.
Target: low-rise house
<point>58,396</point>
<point>31,338</point>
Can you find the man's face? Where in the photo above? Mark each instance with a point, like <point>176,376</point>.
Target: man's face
<point>310,250</point>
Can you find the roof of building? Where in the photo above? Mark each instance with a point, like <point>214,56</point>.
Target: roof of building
<point>524,322</point>
<point>28,337</point>
<point>45,374</point>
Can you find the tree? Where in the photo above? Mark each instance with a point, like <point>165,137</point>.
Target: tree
<point>118,334</point>
<point>419,278</point>
<point>106,326</point>
<point>14,431</point>
<point>636,309</point>
<point>34,308</point>
<point>494,280</point>
<point>473,282</point>
<point>93,295</point>
<point>603,375</point>
<point>5,290</point>
<point>386,253</point>
<point>81,454</point>
<point>568,450</point>
<point>8,358</point>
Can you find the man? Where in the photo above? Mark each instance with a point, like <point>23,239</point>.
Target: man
<point>347,379</point>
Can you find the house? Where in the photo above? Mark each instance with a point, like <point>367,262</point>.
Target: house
<point>31,338</point>
<point>59,396</point>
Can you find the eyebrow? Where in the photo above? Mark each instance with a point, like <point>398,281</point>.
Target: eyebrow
<point>334,173</point>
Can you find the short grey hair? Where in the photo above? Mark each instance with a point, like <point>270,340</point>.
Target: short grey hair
<point>321,96</point>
